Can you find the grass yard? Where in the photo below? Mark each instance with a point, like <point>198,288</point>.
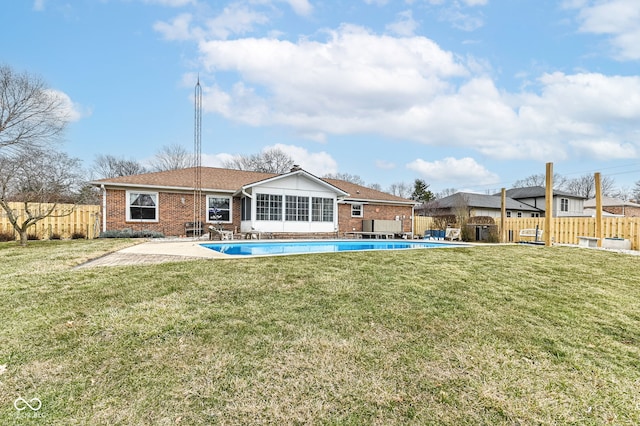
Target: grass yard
<point>488,335</point>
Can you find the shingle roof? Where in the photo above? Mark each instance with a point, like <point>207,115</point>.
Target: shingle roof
<point>610,202</point>
<point>478,201</point>
<point>535,192</point>
<point>231,180</point>
<point>212,179</point>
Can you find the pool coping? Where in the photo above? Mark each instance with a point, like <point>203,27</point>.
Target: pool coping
<point>162,251</point>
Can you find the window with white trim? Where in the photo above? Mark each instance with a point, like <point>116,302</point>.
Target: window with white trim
<point>268,207</point>
<point>508,214</point>
<point>356,210</point>
<point>142,206</point>
<point>564,204</point>
<point>218,208</point>
<point>321,209</point>
<point>519,214</point>
<point>297,208</point>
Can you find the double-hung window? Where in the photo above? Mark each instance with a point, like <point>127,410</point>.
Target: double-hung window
<point>218,208</point>
<point>268,207</point>
<point>142,206</point>
<point>564,204</point>
<point>322,209</point>
<point>297,208</point>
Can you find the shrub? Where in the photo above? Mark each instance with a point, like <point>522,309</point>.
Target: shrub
<point>128,233</point>
<point>32,237</point>
<point>55,236</point>
<point>78,235</point>
<point>7,236</point>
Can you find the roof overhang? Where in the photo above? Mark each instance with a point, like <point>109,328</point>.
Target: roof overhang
<point>303,173</point>
<point>115,185</point>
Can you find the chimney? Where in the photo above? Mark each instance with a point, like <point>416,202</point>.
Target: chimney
<point>295,168</point>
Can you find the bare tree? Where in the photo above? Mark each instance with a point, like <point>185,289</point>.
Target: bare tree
<point>347,177</point>
<point>273,160</point>
<point>375,186</point>
<point>635,192</point>
<point>559,182</point>
<point>400,189</point>
<point>585,186</point>
<point>171,157</point>
<point>445,193</point>
<point>31,115</point>
<point>110,166</point>
<point>39,181</point>
<point>624,193</point>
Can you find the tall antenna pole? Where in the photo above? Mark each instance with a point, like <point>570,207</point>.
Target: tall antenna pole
<point>197,162</point>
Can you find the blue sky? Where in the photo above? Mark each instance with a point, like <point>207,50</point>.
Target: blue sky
<point>466,94</point>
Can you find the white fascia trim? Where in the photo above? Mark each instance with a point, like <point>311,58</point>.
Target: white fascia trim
<point>165,188</point>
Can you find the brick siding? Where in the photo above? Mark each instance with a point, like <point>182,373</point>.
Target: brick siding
<point>175,209</point>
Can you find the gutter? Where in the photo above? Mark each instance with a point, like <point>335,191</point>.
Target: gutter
<point>104,208</point>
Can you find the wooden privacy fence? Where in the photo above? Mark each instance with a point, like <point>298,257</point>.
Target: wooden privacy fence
<point>566,230</point>
<point>84,220</point>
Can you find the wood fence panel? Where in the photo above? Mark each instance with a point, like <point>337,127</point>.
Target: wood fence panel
<point>421,224</point>
<point>566,229</point>
<point>83,220</point>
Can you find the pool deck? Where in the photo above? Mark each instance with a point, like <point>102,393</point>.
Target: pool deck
<point>156,251</point>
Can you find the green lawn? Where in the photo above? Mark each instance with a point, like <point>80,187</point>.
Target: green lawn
<point>487,335</point>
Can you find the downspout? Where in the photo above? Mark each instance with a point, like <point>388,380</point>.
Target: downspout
<point>246,194</point>
<point>413,220</point>
<point>104,208</point>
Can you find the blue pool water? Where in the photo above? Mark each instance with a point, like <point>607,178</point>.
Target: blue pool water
<point>322,246</point>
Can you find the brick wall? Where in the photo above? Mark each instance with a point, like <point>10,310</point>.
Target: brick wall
<point>626,211</point>
<point>346,223</point>
<point>177,208</point>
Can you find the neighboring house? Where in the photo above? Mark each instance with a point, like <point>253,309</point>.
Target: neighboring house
<point>288,205</point>
<point>476,205</point>
<point>563,205</point>
<point>613,206</point>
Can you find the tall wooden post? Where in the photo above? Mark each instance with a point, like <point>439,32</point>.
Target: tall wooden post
<point>548,214</point>
<point>598,209</point>
<point>503,216</point>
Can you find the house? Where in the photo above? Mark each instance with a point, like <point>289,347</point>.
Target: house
<point>564,204</point>
<point>293,204</point>
<point>613,206</point>
<point>472,204</point>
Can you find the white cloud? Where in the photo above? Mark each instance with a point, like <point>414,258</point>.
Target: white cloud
<point>316,163</point>
<point>177,29</point>
<point>408,88</point>
<point>462,20</point>
<point>216,160</point>
<point>301,7</point>
<point>234,19</point>
<point>404,25</point>
<point>170,3</point>
<point>356,77</point>
<point>619,19</point>
<point>453,170</point>
<point>604,149</point>
<point>70,110</point>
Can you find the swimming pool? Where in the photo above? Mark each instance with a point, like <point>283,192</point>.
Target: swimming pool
<point>322,246</point>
